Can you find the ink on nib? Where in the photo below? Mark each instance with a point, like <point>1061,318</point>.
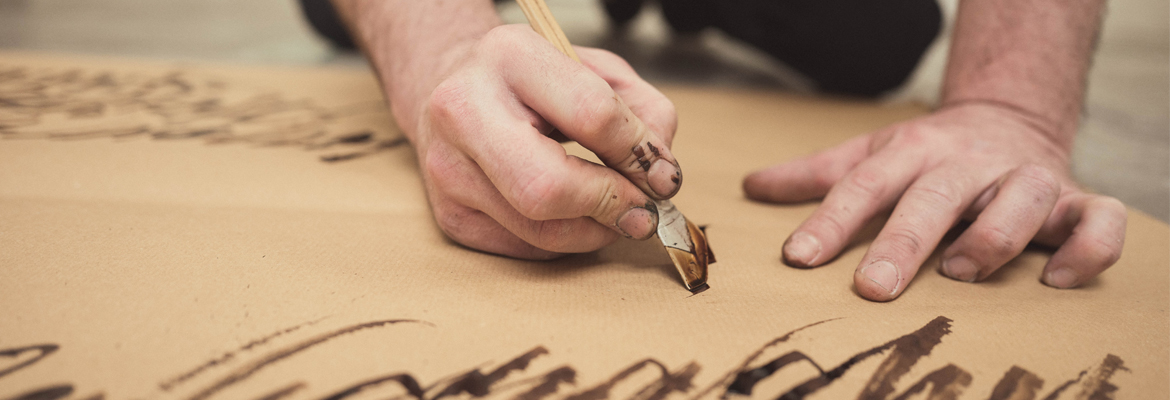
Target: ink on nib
<point>687,246</point>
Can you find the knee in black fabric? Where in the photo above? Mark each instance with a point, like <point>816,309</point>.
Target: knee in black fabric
<point>856,47</point>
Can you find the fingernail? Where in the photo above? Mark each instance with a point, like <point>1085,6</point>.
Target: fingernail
<point>802,249</point>
<point>960,268</point>
<point>638,223</point>
<point>665,178</point>
<point>1062,278</point>
<point>884,274</point>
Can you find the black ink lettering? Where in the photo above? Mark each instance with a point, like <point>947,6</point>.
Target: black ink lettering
<point>1095,384</point>
<point>405,380</point>
<point>1017,384</point>
<point>283,392</point>
<point>477,384</point>
<point>667,383</point>
<point>228,356</point>
<point>42,350</point>
<point>178,105</point>
<point>247,370</point>
<point>50,393</point>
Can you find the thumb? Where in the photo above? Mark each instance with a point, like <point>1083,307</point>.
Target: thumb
<point>806,178</point>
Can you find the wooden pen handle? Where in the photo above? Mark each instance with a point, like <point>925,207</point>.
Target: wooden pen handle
<point>542,21</point>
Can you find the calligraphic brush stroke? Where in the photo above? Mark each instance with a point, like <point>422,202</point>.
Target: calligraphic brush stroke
<point>730,376</point>
<point>230,355</point>
<point>477,384</point>
<point>247,370</point>
<point>43,349</point>
<point>405,380</point>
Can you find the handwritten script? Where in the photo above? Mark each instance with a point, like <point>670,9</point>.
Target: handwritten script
<point>73,104</point>
<point>513,380</point>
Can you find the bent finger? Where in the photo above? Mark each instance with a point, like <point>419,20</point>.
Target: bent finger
<point>473,190</point>
<point>1094,244</point>
<point>1022,203</point>
<point>646,101</point>
<point>807,178</point>
<point>586,109</point>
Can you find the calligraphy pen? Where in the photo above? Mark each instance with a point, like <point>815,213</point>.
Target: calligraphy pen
<point>685,242</point>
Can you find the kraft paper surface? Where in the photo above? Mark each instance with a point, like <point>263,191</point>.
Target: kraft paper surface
<point>172,231</point>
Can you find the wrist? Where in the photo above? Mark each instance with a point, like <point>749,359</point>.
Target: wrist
<point>412,45</point>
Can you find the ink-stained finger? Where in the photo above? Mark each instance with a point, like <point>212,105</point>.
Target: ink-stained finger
<point>807,178</point>
<point>926,211</point>
<point>586,109</point>
<point>872,186</point>
<point>1023,202</point>
<point>649,104</point>
<point>1095,244</point>
<point>532,172</point>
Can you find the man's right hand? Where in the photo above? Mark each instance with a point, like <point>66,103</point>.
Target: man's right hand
<point>496,180</point>
<point>479,101</point>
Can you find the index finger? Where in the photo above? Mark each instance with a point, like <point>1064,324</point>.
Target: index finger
<point>586,109</point>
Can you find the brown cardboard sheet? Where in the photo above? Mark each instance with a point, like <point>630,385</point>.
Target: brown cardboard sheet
<point>173,232</point>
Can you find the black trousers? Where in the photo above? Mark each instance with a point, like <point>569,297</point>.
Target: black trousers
<point>852,47</point>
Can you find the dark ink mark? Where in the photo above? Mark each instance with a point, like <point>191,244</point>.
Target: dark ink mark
<point>746,380</point>
<point>43,351</point>
<point>405,380</point>
<point>674,178</point>
<point>550,383</point>
<point>382,145</point>
<point>654,149</point>
<point>228,356</point>
<point>667,383</point>
<point>76,104</point>
<point>477,384</point>
<point>1017,384</point>
<point>642,161</point>
<point>907,350</point>
<point>728,378</point>
<point>946,383</point>
<point>49,393</point>
<point>247,370</point>
<point>1095,384</point>
<point>283,392</point>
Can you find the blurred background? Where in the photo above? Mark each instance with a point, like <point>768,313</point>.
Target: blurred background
<point>1123,148</point>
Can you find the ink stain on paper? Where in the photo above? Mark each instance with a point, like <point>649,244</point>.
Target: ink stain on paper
<point>510,380</point>
<point>77,104</point>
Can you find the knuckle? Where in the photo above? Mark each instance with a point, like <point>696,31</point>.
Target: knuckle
<point>597,110</point>
<point>440,168</point>
<point>869,184</point>
<point>1113,208</point>
<point>1039,179</point>
<point>998,242</point>
<point>904,242</point>
<point>1101,252</point>
<point>833,221</point>
<point>908,135</point>
<point>541,196</point>
<point>450,101</point>
<point>503,35</point>
<point>944,195</point>
<point>607,202</point>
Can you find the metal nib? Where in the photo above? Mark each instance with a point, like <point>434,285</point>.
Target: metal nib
<point>686,244</point>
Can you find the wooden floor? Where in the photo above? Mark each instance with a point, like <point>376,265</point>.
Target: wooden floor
<point>1123,149</point>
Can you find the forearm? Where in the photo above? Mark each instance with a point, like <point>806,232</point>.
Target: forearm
<point>412,43</point>
<point>1031,56</point>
